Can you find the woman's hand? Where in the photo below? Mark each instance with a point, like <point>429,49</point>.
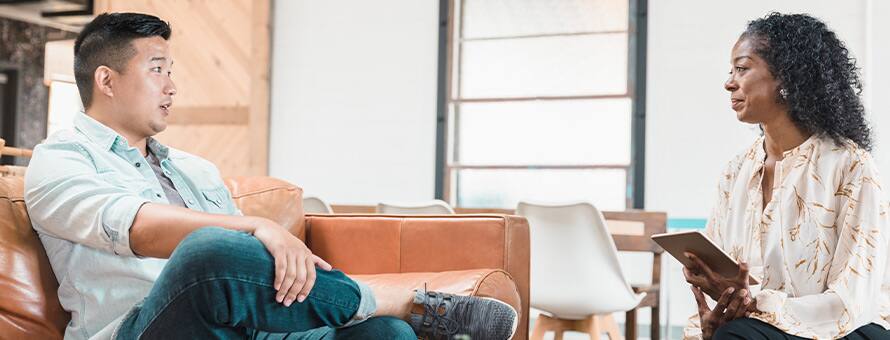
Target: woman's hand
<point>711,283</point>
<point>731,305</point>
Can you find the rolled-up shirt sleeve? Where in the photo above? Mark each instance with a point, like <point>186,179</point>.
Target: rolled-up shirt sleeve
<point>67,198</point>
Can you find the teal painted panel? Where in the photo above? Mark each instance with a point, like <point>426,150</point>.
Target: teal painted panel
<point>686,223</point>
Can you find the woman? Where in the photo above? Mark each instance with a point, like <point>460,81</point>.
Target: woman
<point>803,207</point>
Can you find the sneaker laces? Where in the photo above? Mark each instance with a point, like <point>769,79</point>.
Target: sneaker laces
<point>441,323</point>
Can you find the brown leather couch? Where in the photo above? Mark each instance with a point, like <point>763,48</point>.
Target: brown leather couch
<point>481,255</point>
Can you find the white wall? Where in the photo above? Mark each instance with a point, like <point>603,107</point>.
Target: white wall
<point>353,116</point>
<point>877,81</point>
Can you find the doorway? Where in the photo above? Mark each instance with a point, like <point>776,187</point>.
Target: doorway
<point>9,90</point>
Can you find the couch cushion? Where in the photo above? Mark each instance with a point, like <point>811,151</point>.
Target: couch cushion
<point>492,283</point>
<point>271,198</point>
<point>29,308</point>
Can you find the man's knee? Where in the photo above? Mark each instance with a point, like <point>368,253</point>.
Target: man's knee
<point>204,245</point>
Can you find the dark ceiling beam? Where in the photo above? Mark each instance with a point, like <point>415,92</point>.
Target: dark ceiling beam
<point>87,10</point>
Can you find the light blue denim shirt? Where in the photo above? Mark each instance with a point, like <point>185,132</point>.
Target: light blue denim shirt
<point>83,189</point>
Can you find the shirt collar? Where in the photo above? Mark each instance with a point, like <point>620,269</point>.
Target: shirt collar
<point>796,150</point>
<point>760,149</point>
<point>97,132</point>
<point>107,138</point>
<point>757,152</point>
<point>159,150</point>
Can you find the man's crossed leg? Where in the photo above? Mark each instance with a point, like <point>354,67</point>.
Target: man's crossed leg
<point>219,284</point>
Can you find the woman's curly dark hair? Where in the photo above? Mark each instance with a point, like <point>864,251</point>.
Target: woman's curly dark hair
<point>816,70</point>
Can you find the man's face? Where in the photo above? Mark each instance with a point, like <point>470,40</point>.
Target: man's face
<point>143,90</point>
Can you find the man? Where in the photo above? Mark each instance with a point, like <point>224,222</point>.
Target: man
<point>124,221</point>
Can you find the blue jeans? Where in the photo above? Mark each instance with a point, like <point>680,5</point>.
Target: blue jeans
<point>218,284</point>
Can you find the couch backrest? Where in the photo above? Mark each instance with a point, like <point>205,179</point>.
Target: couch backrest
<point>29,307</point>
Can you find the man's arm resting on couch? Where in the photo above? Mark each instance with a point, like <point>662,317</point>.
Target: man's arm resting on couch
<point>159,228</point>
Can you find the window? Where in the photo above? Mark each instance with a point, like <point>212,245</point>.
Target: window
<point>64,104</point>
<point>539,103</point>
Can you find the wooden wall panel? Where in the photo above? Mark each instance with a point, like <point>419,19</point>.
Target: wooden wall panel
<point>260,86</point>
<point>221,144</point>
<point>221,68</point>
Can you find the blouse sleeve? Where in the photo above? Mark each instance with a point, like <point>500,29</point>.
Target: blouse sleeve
<point>714,228</point>
<point>692,331</point>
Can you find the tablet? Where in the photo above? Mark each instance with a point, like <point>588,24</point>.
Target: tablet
<point>697,243</point>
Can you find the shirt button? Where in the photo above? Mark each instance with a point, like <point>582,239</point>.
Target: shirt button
<point>138,164</point>
<point>191,201</point>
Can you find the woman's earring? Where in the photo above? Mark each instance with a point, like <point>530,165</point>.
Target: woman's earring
<point>783,93</point>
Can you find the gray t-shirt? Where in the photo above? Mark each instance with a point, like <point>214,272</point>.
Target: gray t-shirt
<point>169,190</point>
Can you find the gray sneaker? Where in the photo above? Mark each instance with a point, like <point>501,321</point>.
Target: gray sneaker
<point>446,315</point>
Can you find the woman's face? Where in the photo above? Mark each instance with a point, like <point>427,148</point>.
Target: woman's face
<point>752,87</point>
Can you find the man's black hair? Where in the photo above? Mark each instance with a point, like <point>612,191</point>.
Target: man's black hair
<point>106,41</point>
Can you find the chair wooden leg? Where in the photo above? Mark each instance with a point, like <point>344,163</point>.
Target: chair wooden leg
<point>655,328</point>
<point>630,325</point>
<point>611,327</point>
<point>539,329</point>
<point>594,327</point>
<point>547,323</point>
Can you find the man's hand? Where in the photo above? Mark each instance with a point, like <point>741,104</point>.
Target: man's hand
<point>712,283</point>
<point>731,305</point>
<point>294,262</point>
<point>158,229</point>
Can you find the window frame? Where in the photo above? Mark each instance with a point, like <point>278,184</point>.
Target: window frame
<point>448,70</point>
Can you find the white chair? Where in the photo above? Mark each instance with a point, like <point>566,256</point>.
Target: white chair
<point>315,205</point>
<point>575,275</point>
<point>434,207</point>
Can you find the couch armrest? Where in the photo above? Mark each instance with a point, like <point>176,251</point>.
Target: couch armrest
<point>485,283</point>
<point>271,198</point>
<point>377,244</point>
